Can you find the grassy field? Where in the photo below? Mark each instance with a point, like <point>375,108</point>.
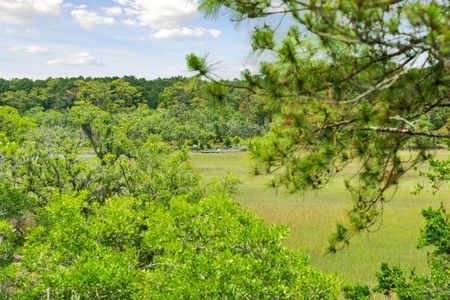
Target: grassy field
<point>311,217</point>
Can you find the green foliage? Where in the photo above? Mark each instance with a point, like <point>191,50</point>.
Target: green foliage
<point>14,204</point>
<point>127,161</point>
<point>206,115</point>
<point>436,231</point>
<point>19,100</point>
<point>393,281</point>
<point>437,284</point>
<point>45,164</point>
<point>438,174</point>
<point>349,82</point>
<point>61,93</point>
<point>263,38</point>
<point>15,213</point>
<point>128,219</point>
<point>389,279</point>
<point>13,125</point>
<point>110,96</point>
<point>189,112</point>
<point>357,292</point>
<point>125,249</point>
<point>196,63</point>
<point>7,244</point>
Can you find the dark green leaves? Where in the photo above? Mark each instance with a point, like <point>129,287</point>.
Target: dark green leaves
<point>436,231</point>
<point>263,38</point>
<point>197,64</point>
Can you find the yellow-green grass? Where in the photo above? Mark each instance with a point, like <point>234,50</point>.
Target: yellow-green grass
<point>311,217</point>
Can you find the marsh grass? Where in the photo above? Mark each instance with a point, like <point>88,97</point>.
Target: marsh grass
<point>311,217</point>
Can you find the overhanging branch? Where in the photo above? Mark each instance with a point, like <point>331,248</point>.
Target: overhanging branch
<point>429,134</point>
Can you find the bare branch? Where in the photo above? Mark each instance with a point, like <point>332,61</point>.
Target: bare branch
<point>429,134</point>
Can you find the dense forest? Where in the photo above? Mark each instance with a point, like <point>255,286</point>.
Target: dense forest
<point>99,200</point>
<point>96,204</point>
<point>184,112</point>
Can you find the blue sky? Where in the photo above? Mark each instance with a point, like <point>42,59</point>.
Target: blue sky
<point>144,38</point>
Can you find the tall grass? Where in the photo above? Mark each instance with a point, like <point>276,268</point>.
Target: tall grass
<point>311,217</point>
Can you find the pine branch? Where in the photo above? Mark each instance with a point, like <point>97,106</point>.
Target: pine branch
<point>429,134</point>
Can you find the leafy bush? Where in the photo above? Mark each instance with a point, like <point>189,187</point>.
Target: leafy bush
<point>436,285</point>
<point>356,292</point>
<point>129,249</point>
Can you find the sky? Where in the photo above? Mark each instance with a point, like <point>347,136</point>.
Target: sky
<point>143,38</point>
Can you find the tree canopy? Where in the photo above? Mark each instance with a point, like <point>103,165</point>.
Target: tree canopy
<point>350,80</point>
<point>98,207</point>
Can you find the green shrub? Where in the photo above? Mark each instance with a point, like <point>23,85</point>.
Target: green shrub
<point>356,292</point>
<point>128,250</point>
<point>436,285</point>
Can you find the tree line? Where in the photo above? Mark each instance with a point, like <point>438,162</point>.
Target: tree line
<point>183,111</point>
<point>61,93</point>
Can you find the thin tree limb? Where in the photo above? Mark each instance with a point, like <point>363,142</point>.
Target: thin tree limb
<point>429,134</point>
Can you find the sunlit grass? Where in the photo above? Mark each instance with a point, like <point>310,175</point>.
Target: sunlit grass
<point>311,217</point>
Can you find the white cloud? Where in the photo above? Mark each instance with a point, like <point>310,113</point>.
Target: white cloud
<point>168,18</point>
<point>185,32</point>
<point>163,14</point>
<point>74,6</point>
<point>130,22</point>
<point>121,2</point>
<point>78,59</point>
<point>113,10</point>
<point>20,11</point>
<point>88,19</point>
<point>32,49</point>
